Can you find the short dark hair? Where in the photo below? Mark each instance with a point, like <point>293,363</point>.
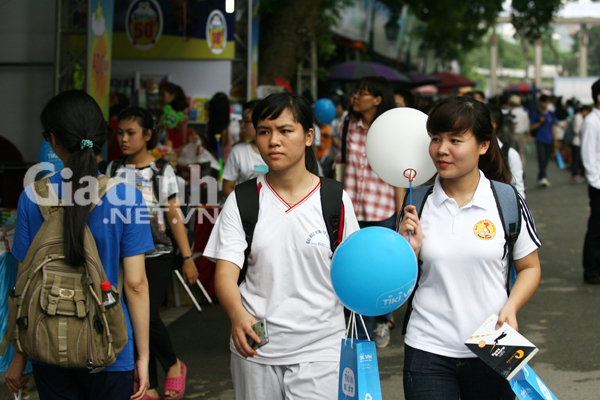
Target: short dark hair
<point>250,105</point>
<point>409,98</point>
<point>378,86</point>
<point>273,105</point>
<point>145,120</point>
<point>544,98</point>
<point>596,91</point>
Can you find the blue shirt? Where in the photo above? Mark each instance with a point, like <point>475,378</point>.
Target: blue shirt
<point>115,238</point>
<point>544,132</point>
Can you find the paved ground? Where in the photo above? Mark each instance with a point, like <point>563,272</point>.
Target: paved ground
<point>561,319</point>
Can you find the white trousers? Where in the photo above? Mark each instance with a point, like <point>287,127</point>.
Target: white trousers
<point>305,381</point>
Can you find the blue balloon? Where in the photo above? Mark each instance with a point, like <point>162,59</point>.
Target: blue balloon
<point>46,154</point>
<point>374,271</point>
<point>324,111</point>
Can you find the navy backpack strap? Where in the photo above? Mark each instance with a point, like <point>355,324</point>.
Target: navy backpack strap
<point>246,195</point>
<point>333,210</point>
<point>509,208</point>
<point>420,196</point>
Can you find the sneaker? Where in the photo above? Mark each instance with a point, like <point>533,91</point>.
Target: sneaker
<point>544,182</point>
<point>578,179</point>
<point>381,334</point>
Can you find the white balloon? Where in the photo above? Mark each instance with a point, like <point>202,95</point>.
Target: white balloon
<point>397,143</point>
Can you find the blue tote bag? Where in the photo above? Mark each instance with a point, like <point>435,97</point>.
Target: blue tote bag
<point>359,370</point>
<point>528,386</point>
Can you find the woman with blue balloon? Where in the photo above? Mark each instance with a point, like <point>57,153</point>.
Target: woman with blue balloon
<point>458,237</point>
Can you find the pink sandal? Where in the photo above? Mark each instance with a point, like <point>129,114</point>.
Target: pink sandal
<point>177,384</point>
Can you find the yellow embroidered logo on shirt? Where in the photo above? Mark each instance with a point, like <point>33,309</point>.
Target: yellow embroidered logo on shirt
<point>485,230</point>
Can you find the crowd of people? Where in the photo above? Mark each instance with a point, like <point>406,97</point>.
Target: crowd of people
<point>278,270</point>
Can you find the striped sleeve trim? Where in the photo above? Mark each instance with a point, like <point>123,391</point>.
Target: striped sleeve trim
<point>529,223</point>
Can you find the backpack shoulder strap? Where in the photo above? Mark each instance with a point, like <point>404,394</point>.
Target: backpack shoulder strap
<point>505,149</point>
<point>45,197</point>
<point>118,163</point>
<point>246,195</point>
<point>509,208</point>
<point>333,210</point>
<point>160,164</point>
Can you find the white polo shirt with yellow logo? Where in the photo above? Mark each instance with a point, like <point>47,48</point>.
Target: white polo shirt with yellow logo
<point>463,275</point>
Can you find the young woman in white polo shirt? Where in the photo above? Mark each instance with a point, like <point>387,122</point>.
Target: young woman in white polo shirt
<point>463,276</point>
<point>287,281</point>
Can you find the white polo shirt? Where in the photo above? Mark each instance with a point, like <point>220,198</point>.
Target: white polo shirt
<point>463,275</point>
<point>288,281</point>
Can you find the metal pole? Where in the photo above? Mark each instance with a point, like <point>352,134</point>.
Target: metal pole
<point>57,47</point>
<point>583,51</point>
<point>538,63</point>
<point>494,62</point>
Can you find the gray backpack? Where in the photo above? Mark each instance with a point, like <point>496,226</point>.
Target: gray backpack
<point>56,311</point>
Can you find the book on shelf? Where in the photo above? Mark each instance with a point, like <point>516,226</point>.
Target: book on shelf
<point>504,349</point>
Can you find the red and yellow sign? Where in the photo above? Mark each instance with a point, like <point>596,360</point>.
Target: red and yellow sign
<point>99,52</point>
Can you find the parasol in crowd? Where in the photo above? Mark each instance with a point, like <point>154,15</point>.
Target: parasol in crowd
<point>522,87</point>
<point>356,70</point>
<point>450,81</point>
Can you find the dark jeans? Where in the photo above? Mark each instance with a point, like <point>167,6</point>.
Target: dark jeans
<point>576,160</point>
<point>429,376</point>
<point>159,271</point>
<point>544,153</point>
<point>591,243</point>
<point>381,319</point>
<point>55,383</point>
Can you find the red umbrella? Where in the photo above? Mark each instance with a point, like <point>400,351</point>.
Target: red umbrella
<point>451,81</point>
<point>522,87</point>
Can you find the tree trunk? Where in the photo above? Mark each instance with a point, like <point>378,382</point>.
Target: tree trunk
<point>285,38</point>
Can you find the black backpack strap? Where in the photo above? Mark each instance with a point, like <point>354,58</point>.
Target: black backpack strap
<point>333,210</point>
<point>246,195</point>
<point>509,208</point>
<point>420,196</point>
<point>118,163</point>
<point>158,170</point>
<point>345,137</point>
<point>505,149</point>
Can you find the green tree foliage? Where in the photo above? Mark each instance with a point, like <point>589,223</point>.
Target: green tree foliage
<point>532,18</point>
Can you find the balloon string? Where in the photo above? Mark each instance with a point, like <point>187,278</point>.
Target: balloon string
<point>409,202</point>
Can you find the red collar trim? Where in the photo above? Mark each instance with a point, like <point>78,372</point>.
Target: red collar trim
<point>290,207</point>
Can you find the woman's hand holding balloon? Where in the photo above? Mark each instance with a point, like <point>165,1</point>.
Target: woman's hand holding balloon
<point>411,223</point>
<point>241,325</point>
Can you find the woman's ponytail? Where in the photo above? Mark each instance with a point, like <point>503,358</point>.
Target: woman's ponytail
<point>77,123</point>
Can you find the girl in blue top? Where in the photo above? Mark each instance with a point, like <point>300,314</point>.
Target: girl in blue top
<point>76,130</point>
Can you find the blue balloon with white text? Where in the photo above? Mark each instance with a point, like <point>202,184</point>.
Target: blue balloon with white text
<point>374,271</point>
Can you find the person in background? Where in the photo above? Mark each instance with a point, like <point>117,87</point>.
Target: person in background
<point>520,122</point>
<point>245,161</point>
<point>376,203</point>
<point>576,165</point>
<point>218,124</point>
<point>590,155</point>
<point>512,156</point>
<point>138,137</point>
<point>173,95</point>
<point>543,123</point>
<point>118,102</point>
<point>404,98</point>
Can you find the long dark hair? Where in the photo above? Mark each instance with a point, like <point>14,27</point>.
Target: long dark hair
<point>271,108</point>
<point>74,118</point>
<point>218,118</point>
<point>145,120</point>
<point>379,86</point>
<point>179,103</point>
<point>463,114</point>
